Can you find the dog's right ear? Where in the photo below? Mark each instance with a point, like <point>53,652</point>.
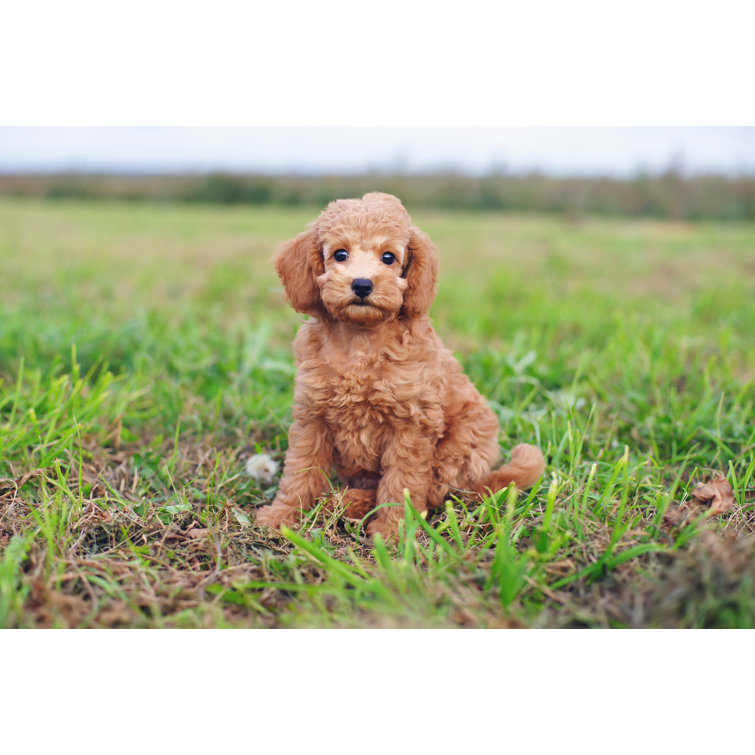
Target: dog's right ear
<point>298,263</point>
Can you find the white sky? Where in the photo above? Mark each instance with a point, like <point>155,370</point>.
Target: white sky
<point>559,150</point>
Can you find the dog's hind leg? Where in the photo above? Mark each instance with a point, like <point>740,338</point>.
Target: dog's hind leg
<point>465,452</point>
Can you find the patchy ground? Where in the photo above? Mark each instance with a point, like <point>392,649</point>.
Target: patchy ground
<point>145,355</point>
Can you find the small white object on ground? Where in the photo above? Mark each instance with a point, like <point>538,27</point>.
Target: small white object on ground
<point>263,468</point>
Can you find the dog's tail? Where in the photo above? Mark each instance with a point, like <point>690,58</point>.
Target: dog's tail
<point>524,470</point>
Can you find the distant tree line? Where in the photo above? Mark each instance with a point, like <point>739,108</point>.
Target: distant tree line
<point>671,194</point>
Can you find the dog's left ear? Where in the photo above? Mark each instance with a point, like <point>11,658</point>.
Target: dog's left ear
<point>421,273</point>
<point>299,262</point>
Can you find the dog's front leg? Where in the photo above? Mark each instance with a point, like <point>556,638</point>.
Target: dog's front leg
<point>310,451</point>
<point>406,464</point>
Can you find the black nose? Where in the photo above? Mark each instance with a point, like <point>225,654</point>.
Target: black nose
<point>361,287</point>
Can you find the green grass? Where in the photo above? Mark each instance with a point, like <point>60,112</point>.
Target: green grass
<point>145,354</point>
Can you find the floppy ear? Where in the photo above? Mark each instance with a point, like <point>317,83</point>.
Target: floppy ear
<point>421,273</point>
<point>299,262</point>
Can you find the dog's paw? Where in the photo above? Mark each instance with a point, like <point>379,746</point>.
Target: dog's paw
<point>276,516</point>
<point>382,526</point>
<point>358,502</point>
<point>374,528</point>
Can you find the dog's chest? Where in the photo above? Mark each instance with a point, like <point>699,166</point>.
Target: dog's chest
<point>367,403</point>
<point>364,400</point>
<point>367,392</point>
<point>371,390</point>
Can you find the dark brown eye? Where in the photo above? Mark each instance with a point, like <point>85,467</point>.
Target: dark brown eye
<point>388,258</point>
<point>340,255</point>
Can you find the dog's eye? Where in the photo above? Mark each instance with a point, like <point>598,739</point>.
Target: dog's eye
<point>340,255</point>
<point>388,258</point>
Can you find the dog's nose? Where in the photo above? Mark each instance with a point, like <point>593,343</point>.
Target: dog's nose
<point>361,287</point>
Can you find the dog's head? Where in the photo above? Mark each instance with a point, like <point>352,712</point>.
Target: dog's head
<point>361,261</point>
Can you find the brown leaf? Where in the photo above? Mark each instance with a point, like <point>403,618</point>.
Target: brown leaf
<point>20,481</point>
<point>717,493</point>
<point>198,532</point>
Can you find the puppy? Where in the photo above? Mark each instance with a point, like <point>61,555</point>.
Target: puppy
<point>377,396</point>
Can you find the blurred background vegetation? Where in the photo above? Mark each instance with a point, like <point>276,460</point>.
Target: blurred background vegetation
<point>672,194</point>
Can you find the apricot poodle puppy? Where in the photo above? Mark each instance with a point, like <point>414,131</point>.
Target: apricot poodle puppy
<point>377,396</point>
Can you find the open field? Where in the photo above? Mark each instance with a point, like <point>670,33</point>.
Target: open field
<point>145,354</point>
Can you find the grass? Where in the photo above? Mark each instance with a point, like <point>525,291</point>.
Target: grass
<point>145,354</point>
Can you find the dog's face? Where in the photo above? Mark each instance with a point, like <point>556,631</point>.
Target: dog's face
<point>364,255</point>
<point>361,262</point>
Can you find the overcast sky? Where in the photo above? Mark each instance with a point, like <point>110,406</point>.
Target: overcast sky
<point>313,149</point>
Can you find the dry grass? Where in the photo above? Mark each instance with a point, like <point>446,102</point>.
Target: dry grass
<point>622,348</point>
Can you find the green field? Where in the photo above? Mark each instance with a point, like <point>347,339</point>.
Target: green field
<point>145,354</point>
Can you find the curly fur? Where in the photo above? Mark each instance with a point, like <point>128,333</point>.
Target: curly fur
<point>377,396</point>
